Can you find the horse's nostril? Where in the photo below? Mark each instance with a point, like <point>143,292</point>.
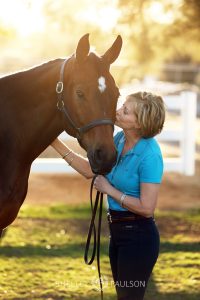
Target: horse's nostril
<point>98,155</point>
<point>102,160</point>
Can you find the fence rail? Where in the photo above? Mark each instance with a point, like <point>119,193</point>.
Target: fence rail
<point>186,104</point>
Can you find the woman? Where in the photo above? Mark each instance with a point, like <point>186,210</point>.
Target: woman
<point>132,189</point>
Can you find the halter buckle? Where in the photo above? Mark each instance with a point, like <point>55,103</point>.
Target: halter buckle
<point>60,105</point>
<point>59,87</point>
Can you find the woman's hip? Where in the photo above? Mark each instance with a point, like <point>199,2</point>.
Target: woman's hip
<point>141,232</point>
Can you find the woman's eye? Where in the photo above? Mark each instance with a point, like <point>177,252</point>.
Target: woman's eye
<point>80,94</point>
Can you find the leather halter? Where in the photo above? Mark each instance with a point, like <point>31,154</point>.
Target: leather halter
<point>61,106</point>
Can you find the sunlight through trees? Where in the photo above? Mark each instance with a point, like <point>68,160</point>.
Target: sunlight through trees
<point>154,32</point>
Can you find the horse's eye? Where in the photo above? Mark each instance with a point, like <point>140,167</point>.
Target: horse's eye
<point>79,93</point>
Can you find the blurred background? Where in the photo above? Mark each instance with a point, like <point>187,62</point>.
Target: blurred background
<point>161,38</point>
<point>160,53</point>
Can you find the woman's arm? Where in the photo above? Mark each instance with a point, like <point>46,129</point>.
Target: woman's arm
<point>76,161</point>
<point>144,206</point>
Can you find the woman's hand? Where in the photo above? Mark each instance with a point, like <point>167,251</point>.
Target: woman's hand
<point>101,184</point>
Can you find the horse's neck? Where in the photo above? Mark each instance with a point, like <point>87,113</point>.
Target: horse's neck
<point>32,119</point>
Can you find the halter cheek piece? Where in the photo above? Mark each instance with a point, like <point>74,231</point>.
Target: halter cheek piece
<point>61,106</point>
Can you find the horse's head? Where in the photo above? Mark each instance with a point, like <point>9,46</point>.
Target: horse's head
<point>90,96</point>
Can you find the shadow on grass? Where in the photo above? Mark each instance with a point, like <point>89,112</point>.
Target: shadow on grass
<point>76,250</point>
<point>182,247</point>
<point>155,295</point>
<point>71,250</point>
<point>107,296</point>
<point>173,296</point>
<point>152,293</point>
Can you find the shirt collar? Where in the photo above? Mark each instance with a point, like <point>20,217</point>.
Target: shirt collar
<point>137,148</point>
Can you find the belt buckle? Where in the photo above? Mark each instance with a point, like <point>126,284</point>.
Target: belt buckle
<point>109,218</point>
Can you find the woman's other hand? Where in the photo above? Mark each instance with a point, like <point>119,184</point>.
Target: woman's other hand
<point>101,184</point>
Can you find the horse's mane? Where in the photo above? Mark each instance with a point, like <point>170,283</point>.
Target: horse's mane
<point>35,68</point>
<point>44,65</point>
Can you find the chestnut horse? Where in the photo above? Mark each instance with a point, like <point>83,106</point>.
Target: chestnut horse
<point>77,95</point>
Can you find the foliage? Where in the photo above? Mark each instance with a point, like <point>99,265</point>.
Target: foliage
<point>154,32</point>
<point>62,29</point>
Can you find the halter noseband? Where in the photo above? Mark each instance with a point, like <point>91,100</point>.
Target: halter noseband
<point>61,106</point>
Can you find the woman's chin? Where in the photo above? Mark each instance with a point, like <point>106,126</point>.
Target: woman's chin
<point>118,124</point>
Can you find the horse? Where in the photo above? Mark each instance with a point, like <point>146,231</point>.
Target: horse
<point>77,95</point>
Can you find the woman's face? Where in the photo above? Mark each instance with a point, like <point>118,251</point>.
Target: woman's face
<point>125,117</point>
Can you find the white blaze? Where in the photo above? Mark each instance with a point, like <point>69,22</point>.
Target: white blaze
<point>101,84</point>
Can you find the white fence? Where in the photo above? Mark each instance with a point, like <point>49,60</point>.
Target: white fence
<point>186,103</point>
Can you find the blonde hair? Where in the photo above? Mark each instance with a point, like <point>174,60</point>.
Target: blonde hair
<point>149,110</point>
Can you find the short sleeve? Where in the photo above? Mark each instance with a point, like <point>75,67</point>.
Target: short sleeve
<point>151,169</point>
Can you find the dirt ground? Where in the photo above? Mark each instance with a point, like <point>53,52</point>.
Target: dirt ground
<point>178,192</point>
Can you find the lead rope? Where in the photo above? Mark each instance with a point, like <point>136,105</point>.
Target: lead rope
<point>92,228</point>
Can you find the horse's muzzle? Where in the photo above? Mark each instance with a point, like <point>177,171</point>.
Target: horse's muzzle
<point>101,161</point>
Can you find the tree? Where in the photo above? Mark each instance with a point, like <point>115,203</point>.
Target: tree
<point>154,32</point>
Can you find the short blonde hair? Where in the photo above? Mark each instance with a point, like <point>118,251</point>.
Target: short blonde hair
<point>149,110</point>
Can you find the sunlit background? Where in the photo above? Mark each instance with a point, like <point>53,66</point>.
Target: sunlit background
<point>41,253</point>
<point>157,35</point>
<point>161,39</point>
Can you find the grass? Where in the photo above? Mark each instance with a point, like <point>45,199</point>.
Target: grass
<point>41,256</point>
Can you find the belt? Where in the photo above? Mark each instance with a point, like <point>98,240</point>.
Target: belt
<point>117,219</point>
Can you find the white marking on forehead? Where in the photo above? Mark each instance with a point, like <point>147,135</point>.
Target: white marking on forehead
<point>102,84</point>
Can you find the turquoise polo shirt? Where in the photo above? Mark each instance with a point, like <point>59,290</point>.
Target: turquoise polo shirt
<point>142,163</point>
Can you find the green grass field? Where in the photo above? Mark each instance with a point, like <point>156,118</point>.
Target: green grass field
<point>41,256</point>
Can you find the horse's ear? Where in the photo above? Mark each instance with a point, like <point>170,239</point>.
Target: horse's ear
<point>112,54</point>
<point>83,48</point>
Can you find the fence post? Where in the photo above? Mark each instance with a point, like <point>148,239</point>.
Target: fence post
<point>189,108</point>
